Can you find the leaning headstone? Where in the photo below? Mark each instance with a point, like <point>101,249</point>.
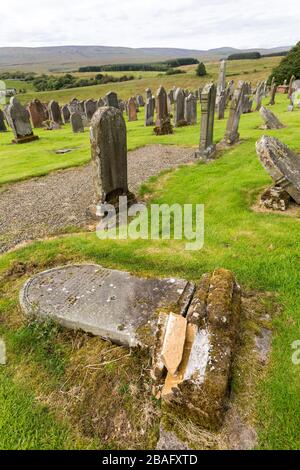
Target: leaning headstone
<point>273,94</point>
<point>132,113</point>
<point>149,111</point>
<point>282,164</point>
<point>208,103</point>
<point>19,120</point>
<point>90,107</point>
<point>259,95</point>
<point>163,121</point>
<point>271,121</point>
<point>109,155</point>
<point>190,109</point>
<point>236,109</point>
<point>179,98</point>
<point>77,123</point>
<point>37,113</point>
<point>112,99</point>
<point>65,113</point>
<point>2,122</point>
<point>55,113</point>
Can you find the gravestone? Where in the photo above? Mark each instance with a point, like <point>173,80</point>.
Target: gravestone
<point>55,113</point>
<point>259,95</point>
<point>179,98</point>
<point>273,94</point>
<point>77,123</point>
<point>208,103</point>
<point>132,114</point>
<point>222,78</point>
<point>140,101</point>
<point>190,109</point>
<point>163,121</point>
<point>19,121</point>
<point>247,99</point>
<point>100,103</point>
<point>66,113</point>
<point>148,93</point>
<point>149,111</point>
<point>282,164</point>
<point>2,122</point>
<point>90,107</point>
<point>271,121</point>
<point>236,109</point>
<point>37,113</point>
<point>109,155</point>
<point>221,105</point>
<point>112,99</point>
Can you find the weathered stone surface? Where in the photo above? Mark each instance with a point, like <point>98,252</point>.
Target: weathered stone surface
<point>66,113</point>
<point>169,441</point>
<point>140,101</point>
<point>2,122</point>
<point>19,121</point>
<point>273,94</point>
<point>77,123</point>
<point>90,107</point>
<point>208,103</point>
<point>109,154</point>
<point>172,349</point>
<point>112,99</point>
<point>259,95</point>
<point>236,108</point>
<point>281,163</point>
<point>163,121</point>
<point>275,198</point>
<point>149,111</point>
<point>271,121</point>
<point>222,78</point>
<point>101,103</point>
<point>200,389</point>
<point>190,109</point>
<point>112,304</point>
<point>55,113</point>
<point>37,113</point>
<point>221,106</point>
<point>132,110</point>
<point>247,98</point>
<point>179,98</point>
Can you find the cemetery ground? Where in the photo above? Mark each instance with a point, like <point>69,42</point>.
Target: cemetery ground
<point>69,390</point>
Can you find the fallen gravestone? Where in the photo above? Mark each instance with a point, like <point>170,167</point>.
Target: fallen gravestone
<point>111,304</point>
<point>271,121</point>
<point>283,166</point>
<point>19,121</point>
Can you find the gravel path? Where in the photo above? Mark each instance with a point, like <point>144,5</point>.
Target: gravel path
<point>45,206</point>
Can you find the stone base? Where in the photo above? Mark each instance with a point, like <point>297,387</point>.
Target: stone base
<point>275,198</point>
<point>164,128</point>
<point>207,154</point>
<point>91,211</point>
<point>25,140</point>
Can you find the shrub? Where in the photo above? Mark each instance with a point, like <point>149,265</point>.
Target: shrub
<point>201,70</point>
<point>289,65</point>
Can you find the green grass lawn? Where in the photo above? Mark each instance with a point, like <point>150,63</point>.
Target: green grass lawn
<point>262,249</point>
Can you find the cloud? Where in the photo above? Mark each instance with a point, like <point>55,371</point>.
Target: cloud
<point>194,24</point>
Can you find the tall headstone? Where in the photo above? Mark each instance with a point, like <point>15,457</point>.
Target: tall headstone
<point>37,113</point>
<point>221,106</point>
<point>55,113</point>
<point>149,111</point>
<point>148,93</point>
<point>208,104</point>
<point>291,86</point>
<point>90,107</point>
<point>273,94</point>
<point>2,122</point>
<point>132,112</point>
<point>100,103</point>
<point>236,109</point>
<point>163,122</point>
<point>140,101</point>
<point>222,78</point>
<point>190,109</point>
<point>179,108</point>
<point>109,155</point>
<point>65,113</point>
<point>77,123</point>
<point>112,99</point>
<point>247,99</point>
<point>259,95</point>
<point>19,120</point>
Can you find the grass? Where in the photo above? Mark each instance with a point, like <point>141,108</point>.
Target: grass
<point>262,249</point>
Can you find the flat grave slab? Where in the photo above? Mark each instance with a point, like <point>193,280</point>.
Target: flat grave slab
<point>112,304</point>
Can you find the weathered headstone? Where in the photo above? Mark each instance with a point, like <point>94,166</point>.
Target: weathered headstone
<point>19,120</point>
<point>66,113</point>
<point>37,113</point>
<point>221,105</point>
<point>208,103</point>
<point>140,101</point>
<point>2,122</point>
<point>190,109</point>
<point>179,98</point>
<point>100,103</point>
<point>282,164</point>
<point>149,111</point>
<point>112,99</point>
<point>271,121</point>
<point>90,107</point>
<point>163,122</point>
<point>76,123</point>
<point>247,98</point>
<point>236,109</point>
<point>222,78</point>
<point>273,94</point>
<point>55,113</point>
<point>132,114</point>
<point>109,155</point>
<point>259,95</point>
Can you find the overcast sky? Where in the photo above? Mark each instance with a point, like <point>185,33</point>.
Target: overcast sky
<point>192,24</point>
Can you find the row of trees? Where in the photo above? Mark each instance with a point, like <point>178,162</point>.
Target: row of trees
<point>289,66</point>
<point>144,67</point>
<point>52,82</point>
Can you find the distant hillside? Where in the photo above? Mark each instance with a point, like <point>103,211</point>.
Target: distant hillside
<point>68,58</point>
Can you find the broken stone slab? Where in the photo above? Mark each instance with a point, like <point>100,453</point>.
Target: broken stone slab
<point>172,350</point>
<point>275,198</point>
<point>271,121</point>
<point>111,304</point>
<point>200,388</point>
<point>281,163</point>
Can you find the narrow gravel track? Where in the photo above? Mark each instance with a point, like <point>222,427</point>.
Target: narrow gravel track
<point>45,206</point>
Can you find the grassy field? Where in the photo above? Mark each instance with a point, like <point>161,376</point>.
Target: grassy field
<point>250,70</point>
<point>49,398</point>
